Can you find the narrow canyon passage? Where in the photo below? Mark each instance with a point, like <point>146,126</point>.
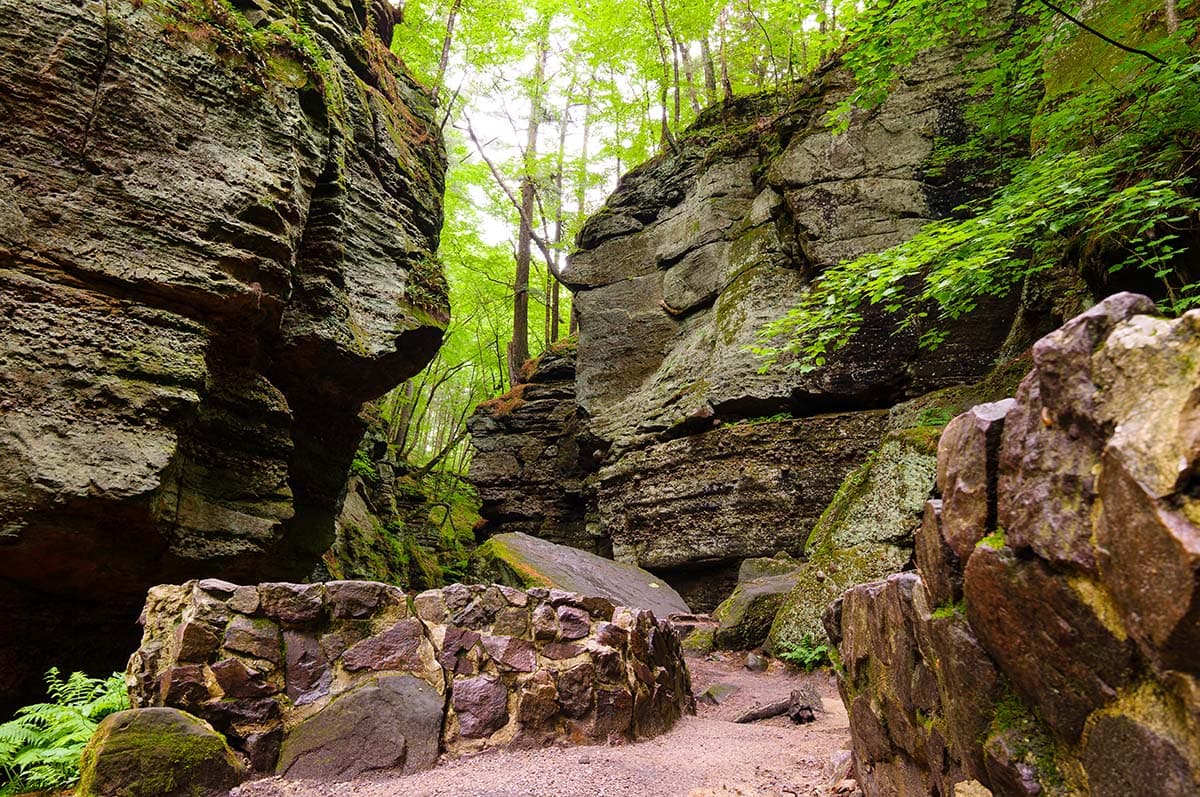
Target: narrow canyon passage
<point>707,755</point>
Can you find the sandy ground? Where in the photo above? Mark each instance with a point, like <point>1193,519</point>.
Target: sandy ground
<point>702,756</point>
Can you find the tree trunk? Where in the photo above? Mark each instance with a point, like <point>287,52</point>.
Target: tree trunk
<point>518,348</point>
<point>710,72</point>
<point>726,85</point>
<point>664,84</point>
<point>444,60</point>
<point>689,75</point>
<point>1172,16</point>
<point>674,56</point>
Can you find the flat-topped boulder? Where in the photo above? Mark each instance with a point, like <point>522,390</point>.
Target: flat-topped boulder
<point>520,560</point>
<point>292,674</point>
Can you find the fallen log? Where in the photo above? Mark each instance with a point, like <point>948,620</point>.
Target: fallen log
<point>801,707</point>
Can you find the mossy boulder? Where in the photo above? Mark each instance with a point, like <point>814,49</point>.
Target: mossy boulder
<point>866,532</point>
<point>522,561</point>
<point>157,752</point>
<point>745,616</point>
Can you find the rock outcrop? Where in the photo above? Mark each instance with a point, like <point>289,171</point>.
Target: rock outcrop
<point>867,531</point>
<point>702,459</point>
<point>298,675</point>
<point>157,752</point>
<point>533,457</point>
<point>216,237</point>
<point>519,560</point>
<point>1047,642</point>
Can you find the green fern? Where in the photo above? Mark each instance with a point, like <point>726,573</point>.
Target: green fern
<point>40,748</point>
<point>808,654</point>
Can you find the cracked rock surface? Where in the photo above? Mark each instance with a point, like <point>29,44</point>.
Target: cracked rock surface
<point>211,253</point>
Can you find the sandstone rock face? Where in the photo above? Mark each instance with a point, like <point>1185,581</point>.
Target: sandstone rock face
<point>338,679</point>
<point>691,509</point>
<point>157,752</point>
<point>697,249</point>
<point>210,255</point>
<point>532,458</point>
<point>1021,654</point>
<point>520,560</point>
<point>694,252</point>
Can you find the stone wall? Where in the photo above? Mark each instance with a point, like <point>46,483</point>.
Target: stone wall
<point>1047,642</point>
<point>303,678</point>
<point>213,249</point>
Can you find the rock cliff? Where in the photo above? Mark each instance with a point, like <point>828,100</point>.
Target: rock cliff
<point>216,233</point>
<point>1047,642</point>
<point>533,457</point>
<point>702,459</point>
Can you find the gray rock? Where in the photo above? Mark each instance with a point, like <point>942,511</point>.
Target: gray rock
<point>393,722</point>
<point>209,266</point>
<point>520,560</point>
<point>745,617</point>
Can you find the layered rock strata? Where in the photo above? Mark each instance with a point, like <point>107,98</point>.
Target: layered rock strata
<point>533,458</point>
<point>216,230</point>
<point>1047,642</point>
<point>868,530</point>
<point>700,247</point>
<point>333,680</point>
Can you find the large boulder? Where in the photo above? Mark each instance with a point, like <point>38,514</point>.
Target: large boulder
<point>392,723</point>
<point>157,752</point>
<point>744,618</point>
<point>215,245</point>
<point>520,560</point>
<point>1047,642</point>
<point>339,679</point>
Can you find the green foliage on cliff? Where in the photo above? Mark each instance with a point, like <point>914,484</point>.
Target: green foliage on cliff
<point>1110,186</point>
<point>40,748</point>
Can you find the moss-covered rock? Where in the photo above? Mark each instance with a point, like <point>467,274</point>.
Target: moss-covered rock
<point>867,531</point>
<point>745,617</point>
<point>157,752</point>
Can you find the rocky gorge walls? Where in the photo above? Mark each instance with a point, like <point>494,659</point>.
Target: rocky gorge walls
<point>698,459</point>
<point>1046,643</point>
<point>216,234</point>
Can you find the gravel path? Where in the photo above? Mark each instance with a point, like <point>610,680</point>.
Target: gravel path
<point>702,756</point>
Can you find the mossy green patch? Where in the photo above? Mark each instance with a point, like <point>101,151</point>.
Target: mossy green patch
<point>995,540</point>
<point>952,609</point>
<point>496,562</point>
<point>1028,736</point>
<point>699,641</point>
<point>142,755</point>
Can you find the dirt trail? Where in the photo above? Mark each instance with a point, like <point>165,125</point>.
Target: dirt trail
<point>702,756</point>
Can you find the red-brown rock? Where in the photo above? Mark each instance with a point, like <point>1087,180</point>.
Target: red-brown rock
<point>968,454</point>
<point>1045,637</point>
<point>481,705</point>
<point>397,648</point>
